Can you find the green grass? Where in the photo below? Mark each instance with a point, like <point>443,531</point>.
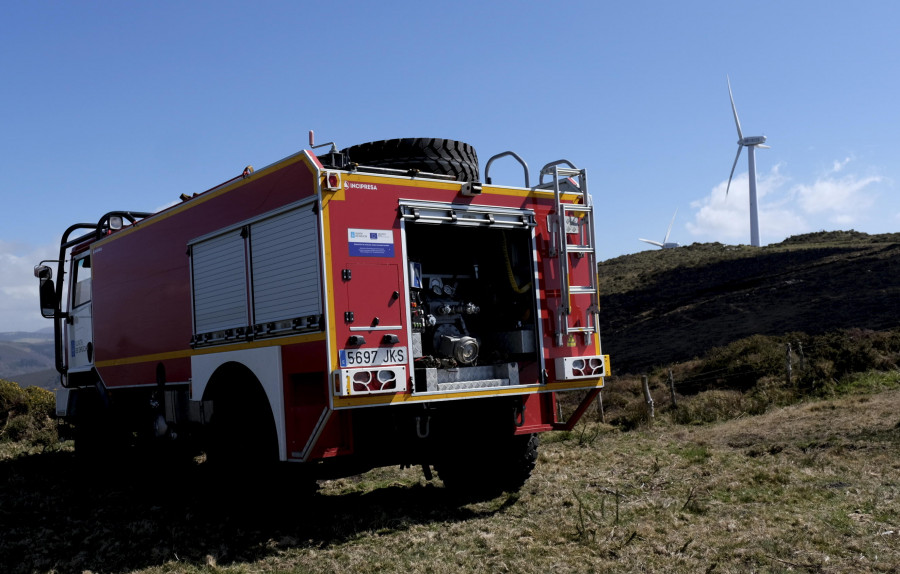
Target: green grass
<point>761,477</point>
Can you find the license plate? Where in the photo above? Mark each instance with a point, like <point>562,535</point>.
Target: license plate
<point>372,357</point>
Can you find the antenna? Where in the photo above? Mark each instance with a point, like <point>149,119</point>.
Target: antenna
<point>751,143</point>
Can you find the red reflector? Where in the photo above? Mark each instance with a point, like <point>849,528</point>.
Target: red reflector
<point>333,180</point>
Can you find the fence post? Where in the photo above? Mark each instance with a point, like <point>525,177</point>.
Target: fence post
<point>672,389</point>
<point>647,396</point>
<point>600,407</point>
<point>788,363</point>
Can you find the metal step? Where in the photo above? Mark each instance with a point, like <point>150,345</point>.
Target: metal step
<point>483,377</point>
<point>470,385</point>
<point>562,171</point>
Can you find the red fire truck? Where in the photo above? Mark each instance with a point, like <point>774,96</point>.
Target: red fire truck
<point>363,307</point>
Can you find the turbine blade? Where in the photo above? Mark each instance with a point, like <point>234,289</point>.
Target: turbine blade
<point>657,243</point>
<point>737,122</point>
<point>764,146</point>
<point>669,230</point>
<point>734,165</point>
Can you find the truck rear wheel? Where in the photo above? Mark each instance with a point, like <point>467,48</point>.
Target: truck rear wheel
<point>489,468</point>
<point>432,155</point>
<point>242,430</point>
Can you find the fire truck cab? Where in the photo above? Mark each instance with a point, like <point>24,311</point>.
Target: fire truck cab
<point>362,307</point>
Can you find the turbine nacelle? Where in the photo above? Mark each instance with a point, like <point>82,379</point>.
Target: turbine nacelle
<point>661,245</point>
<point>754,140</point>
<point>664,244</point>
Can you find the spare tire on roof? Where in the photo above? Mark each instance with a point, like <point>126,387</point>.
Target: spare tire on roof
<point>432,155</point>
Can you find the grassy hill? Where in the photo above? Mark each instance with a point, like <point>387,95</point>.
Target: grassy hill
<point>665,306</point>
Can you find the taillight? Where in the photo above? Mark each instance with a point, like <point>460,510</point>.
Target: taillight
<point>569,368</point>
<point>371,380</point>
<point>374,381</point>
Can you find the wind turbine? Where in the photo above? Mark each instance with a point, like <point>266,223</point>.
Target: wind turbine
<point>665,244</point>
<point>751,143</point>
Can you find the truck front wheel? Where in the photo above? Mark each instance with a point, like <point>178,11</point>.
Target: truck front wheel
<point>99,440</point>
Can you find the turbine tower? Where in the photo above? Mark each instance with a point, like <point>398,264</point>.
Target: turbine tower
<point>751,143</point>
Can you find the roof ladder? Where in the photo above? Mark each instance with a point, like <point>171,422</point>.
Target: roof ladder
<point>571,228</point>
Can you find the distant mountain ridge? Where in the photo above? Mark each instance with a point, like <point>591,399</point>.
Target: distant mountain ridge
<point>665,306</point>
<point>45,334</point>
<point>28,358</point>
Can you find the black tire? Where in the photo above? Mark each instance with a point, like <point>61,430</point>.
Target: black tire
<point>241,441</point>
<point>432,155</point>
<point>242,436</point>
<point>99,441</point>
<point>501,466</point>
<point>93,446</point>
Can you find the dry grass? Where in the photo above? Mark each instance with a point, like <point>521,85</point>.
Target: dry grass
<point>811,487</point>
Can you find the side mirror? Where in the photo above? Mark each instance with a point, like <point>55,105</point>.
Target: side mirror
<point>47,291</point>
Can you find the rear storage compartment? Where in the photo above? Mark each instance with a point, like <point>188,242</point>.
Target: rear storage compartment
<point>472,299</point>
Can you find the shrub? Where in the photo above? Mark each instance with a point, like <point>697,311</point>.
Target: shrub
<point>40,401</point>
<point>27,415</point>
<point>740,364</point>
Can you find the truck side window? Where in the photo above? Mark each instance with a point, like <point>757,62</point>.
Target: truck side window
<point>82,282</point>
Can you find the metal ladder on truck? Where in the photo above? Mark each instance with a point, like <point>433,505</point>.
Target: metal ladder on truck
<point>571,228</point>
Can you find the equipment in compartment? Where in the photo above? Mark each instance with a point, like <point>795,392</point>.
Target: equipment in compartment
<point>472,309</point>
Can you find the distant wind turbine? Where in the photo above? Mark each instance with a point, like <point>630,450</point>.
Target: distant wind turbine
<point>665,244</point>
<point>751,143</point>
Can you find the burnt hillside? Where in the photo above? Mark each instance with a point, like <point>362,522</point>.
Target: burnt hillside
<point>663,306</point>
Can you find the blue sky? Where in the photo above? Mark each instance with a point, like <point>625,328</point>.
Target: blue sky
<point>125,105</point>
